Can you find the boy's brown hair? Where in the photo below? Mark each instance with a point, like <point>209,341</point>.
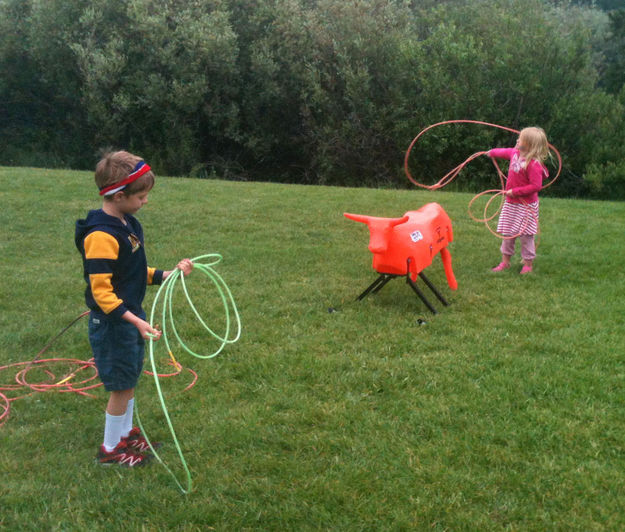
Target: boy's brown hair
<point>115,166</point>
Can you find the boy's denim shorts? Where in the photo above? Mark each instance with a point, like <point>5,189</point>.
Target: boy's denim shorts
<point>118,351</point>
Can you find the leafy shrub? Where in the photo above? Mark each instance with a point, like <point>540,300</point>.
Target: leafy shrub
<point>329,92</point>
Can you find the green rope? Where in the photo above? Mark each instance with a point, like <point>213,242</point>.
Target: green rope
<point>167,289</point>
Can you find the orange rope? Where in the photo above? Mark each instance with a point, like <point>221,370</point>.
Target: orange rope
<point>66,381</point>
<point>450,176</point>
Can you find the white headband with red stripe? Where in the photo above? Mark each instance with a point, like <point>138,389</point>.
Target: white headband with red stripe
<point>141,168</point>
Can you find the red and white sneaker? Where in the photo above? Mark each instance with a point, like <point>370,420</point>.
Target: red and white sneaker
<point>121,455</point>
<point>137,443</point>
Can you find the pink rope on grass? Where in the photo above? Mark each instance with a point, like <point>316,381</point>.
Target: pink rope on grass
<point>60,381</point>
<point>5,405</point>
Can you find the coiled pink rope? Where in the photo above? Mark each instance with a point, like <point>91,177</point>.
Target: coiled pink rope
<point>61,375</point>
<point>451,175</point>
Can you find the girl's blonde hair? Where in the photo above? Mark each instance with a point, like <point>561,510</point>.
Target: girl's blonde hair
<point>535,141</point>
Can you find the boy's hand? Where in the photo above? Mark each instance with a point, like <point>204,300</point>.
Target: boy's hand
<point>186,266</point>
<point>147,331</point>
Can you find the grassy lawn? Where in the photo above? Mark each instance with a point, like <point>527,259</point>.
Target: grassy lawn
<point>504,411</point>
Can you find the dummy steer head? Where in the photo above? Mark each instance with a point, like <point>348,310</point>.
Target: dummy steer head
<point>407,245</point>
<point>380,230</point>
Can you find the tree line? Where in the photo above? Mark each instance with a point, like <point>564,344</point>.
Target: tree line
<point>313,91</point>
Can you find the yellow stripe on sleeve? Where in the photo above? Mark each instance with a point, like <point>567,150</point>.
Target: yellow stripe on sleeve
<point>102,290</point>
<point>101,245</point>
<point>151,272</point>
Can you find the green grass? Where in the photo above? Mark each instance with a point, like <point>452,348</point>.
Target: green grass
<point>504,411</point>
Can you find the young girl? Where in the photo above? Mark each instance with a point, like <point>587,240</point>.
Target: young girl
<point>519,215</point>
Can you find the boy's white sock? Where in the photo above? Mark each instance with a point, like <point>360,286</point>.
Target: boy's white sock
<point>128,418</point>
<point>113,427</point>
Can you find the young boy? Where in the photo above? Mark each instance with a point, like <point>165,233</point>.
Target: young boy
<point>110,241</point>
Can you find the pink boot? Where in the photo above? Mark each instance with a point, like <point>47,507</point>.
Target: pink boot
<point>526,269</point>
<point>500,267</point>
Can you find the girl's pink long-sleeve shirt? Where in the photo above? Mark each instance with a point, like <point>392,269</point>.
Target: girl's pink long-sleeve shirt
<point>523,182</point>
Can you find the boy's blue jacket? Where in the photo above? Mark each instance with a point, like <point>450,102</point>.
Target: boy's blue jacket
<point>114,262</point>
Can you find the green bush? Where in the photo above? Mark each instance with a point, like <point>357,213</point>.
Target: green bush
<point>165,91</point>
<point>607,180</point>
<point>329,92</point>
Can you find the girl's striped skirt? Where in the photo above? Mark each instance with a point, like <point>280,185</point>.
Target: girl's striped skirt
<point>518,219</point>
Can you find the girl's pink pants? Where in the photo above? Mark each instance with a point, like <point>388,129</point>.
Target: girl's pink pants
<point>528,247</point>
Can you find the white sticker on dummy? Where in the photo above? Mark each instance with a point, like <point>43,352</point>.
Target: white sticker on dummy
<point>415,236</point>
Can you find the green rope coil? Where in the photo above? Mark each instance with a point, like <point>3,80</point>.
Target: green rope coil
<point>167,290</point>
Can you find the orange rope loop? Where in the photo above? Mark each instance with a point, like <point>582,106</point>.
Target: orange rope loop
<point>450,176</point>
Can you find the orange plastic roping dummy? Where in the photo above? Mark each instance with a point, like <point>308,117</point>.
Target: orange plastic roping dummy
<point>407,245</point>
